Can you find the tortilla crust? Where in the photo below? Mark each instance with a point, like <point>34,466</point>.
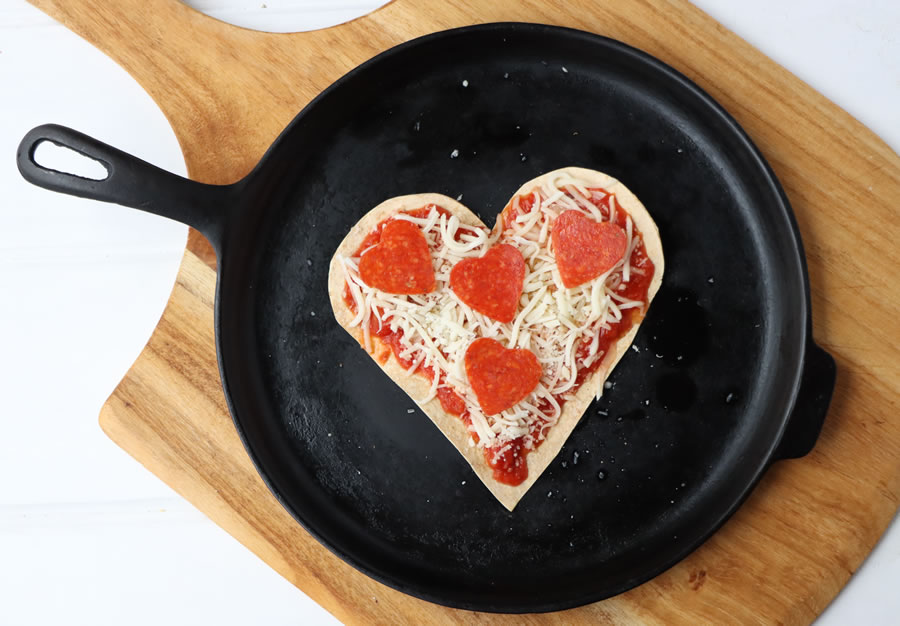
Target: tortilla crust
<point>417,386</point>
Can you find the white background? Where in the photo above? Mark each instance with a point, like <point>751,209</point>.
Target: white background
<point>87,536</point>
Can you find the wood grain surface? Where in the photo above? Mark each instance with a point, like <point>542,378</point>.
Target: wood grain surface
<point>228,92</point>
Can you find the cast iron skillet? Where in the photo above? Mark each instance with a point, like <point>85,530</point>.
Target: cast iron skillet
<point>725,380</point>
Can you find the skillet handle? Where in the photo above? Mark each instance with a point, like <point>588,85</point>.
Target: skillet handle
<point>129,181</point>
<point>816,387</point>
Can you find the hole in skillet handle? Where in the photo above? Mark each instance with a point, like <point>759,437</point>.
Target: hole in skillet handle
<point>811,405</point>
<point>129,181</point>
<point>62,159</point>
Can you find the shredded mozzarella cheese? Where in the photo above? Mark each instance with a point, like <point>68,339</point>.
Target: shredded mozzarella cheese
<point>552,321</point>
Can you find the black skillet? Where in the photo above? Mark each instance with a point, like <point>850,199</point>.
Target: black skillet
<point>725,380</point>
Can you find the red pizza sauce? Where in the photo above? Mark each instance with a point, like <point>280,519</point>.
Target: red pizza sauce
<point>508,460</point>
<point>449,399</point>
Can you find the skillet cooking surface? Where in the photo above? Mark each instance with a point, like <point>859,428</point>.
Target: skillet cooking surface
<point>692,417</point>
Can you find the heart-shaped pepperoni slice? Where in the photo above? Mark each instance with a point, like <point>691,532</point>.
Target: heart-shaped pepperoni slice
<point>585,249</point>
<point>500,377</point>
<point>400,262</point>
<point>492,284</point>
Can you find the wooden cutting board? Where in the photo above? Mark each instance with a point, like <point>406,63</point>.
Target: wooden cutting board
<point>228,92</point>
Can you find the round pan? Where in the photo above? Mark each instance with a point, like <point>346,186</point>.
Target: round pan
<point>724,379</point>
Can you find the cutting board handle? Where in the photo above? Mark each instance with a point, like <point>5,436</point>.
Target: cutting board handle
<point>129,181</point>
<point>227,91</point>
<point>816,387</point>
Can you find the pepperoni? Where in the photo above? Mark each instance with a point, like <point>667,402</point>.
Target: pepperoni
<point>585,249</point>
<point>492,284</point>
<point>500,377</point>
<point>400,262</point>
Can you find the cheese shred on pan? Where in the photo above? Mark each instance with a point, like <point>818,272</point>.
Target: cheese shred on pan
<point>561,326</point>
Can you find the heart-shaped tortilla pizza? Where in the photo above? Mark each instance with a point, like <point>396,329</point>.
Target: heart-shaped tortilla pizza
<point>502,336</point>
